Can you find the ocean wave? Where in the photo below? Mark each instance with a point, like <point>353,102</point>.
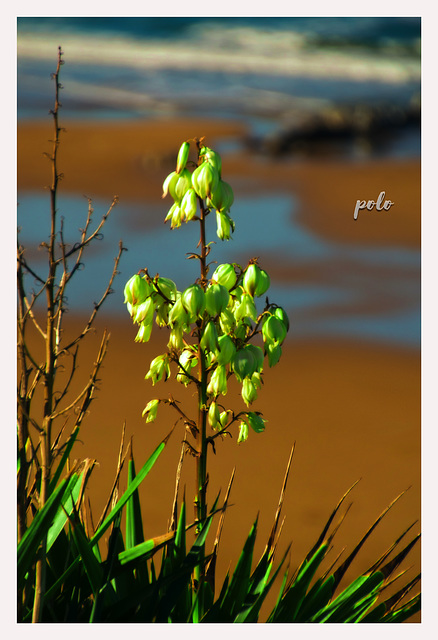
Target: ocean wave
<point>239,50</point>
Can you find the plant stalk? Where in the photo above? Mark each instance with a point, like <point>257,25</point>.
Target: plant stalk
<point>201,460</point>
<point>50,364</point>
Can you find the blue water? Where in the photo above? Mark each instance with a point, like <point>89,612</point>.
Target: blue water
<point>267,71</point>
<point>385,280</point>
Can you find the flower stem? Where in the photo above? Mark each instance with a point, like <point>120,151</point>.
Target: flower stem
<point>201,460</point>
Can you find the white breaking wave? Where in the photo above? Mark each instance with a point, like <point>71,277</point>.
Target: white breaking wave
<point>232,51</point>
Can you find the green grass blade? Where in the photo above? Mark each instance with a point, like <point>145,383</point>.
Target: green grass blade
<point>346,603</point>
<point>405,612</point>
<point>68,502</point>
<point>318,597</point>
<point>260,587</point>
<point>143,550</point>
<point>134,524</point>
<point>240,581</point>
<point>92,566</point>
<point>129,491</point>
<point>376,614</point>
<point>28,545</point>
<point>179,550</point>
<point>63,461</point>
<point>292,600</point>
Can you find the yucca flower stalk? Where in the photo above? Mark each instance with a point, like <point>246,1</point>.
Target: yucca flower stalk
<point>212,322</point>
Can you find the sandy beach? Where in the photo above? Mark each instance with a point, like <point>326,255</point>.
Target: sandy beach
<point>129,160</point>
<point>352,408</point>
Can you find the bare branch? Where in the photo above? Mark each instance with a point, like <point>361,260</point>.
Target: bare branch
<point>31,315</point>
<point>120,463</point>
<point>23,263</point>
<point>98,304</point>
<point>70,378</point>
<point>87,391</point>
<point>79,246</point>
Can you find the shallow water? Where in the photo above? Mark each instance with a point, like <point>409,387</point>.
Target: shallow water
<point>372,293</point>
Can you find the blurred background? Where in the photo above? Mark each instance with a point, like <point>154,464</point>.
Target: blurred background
<point>309,115</point>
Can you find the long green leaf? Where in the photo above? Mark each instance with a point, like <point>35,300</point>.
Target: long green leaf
<point>260,587</point>
<point>28,545</point>
<point>134,524</point>
<point>68,502</point>
<point>292,600</point>
<point>240,580</point>
<point>142,550</point>
<point>64,458</point>
<point>345,604</point>
<point>92,566</point>
<point>318,597</point>
<point>129,491</point>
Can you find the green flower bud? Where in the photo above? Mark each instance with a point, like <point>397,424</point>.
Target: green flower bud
<point>225,275</point>
<point>258,356</point>
<point>177,314</point>
<point>188,361</point>
<point>251,279</point>
<point>224,225</point>
<point>249,392</point>
<point>150,411</point>
<point>243,432</point>
<point>243,364</point>
<point>193,300</point>
<point>256,379</point>
<point>246,308</point>
<point>165,288</point>
<point>136,290</point>
<point>175,207</point>
<point>176,342</point>
<point>144,333</point>
<point>182,185</point>
<point>227,321</point>
<point>263,284</point>
<point>213,157</point>
<point>209,340</point>
<point>281,314</point>
<point>169,184</point>
<point>162,315</point>
<point>159,368</point>
<point>273,330</point>
<point>183,156</point>
<point>214,415</point>
<point>189,205</point>
<point>216,299</point>
<point>222,198</point>
<point>144,312</point>
<point>274,353</point>
<point>241,330</point>
<point>224,418</point>
<point>205,179</point>
<point>218,382</point>
<point>226,350</point>
<point>255,421</point>
<point>177,216</point>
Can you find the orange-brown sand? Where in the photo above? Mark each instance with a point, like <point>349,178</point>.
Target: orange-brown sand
<point>352,409</point>
<point>131,161</point>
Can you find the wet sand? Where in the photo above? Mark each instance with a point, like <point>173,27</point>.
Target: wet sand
<point>131,161</point>
<point>352,409</point>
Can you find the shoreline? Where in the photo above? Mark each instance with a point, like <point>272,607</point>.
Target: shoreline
<point>103,159</point>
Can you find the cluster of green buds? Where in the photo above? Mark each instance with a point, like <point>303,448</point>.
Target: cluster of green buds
<point>214,324</point>
<point>223,316</point>
<point>203,184</point>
